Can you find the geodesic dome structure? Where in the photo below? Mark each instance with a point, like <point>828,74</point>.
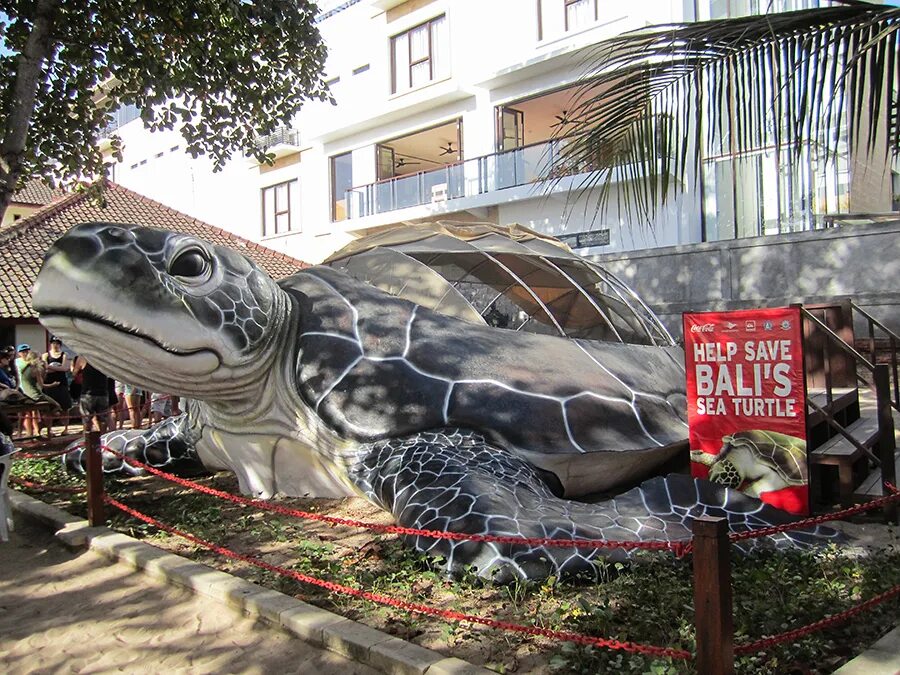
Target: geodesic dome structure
<point>502,276</point>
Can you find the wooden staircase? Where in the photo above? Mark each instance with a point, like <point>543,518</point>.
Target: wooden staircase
<point>852,404</point>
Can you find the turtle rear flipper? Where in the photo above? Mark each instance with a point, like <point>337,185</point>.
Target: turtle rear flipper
<point>454,480</point>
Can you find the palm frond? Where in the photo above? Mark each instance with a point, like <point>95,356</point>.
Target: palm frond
<point>653,102</point>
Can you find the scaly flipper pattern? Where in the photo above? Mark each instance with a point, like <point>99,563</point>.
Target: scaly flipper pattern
<point>169,444</point>
<point>455,480</point>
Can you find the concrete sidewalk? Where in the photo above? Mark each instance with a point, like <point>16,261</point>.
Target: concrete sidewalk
<point>64,612</point>
<point>82,612</point>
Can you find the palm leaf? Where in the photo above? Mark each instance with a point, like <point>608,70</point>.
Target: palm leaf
<point>652,103</point>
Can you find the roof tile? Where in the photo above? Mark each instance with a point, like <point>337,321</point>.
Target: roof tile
<point>37,193</point>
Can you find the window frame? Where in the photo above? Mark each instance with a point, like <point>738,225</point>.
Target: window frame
<point>569,3</point>
<point>333,196</point>
<point>410,63</point>
<point>276,212</point>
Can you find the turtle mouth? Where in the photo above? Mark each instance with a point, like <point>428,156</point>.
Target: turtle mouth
<point>126,352</point>
<point>82,317</point>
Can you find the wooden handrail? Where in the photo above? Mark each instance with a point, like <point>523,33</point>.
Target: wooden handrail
<point>881,385</point>
<point>837,338</point>
<point>893,339</point>
<point>873,320</point>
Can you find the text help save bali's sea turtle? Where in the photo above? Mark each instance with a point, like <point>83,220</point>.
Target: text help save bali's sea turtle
<point>322,385</point>
<point>757,461</point>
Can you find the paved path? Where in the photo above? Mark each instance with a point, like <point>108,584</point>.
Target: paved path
<point>62,612</point>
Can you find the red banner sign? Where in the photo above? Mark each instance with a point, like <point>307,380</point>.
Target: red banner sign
<point>746,403</point>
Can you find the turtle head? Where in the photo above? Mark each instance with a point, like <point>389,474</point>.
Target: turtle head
<point>162,310</point>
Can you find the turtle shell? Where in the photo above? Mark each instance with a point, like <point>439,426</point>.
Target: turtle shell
<point>502,276</point>
<point>784,454</point>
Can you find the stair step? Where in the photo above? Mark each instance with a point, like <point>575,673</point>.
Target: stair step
<point>864,430</point>
<point>841,398</point>
<point>871,488</point>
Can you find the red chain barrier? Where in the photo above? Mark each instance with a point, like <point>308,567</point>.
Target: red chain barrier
<point>40,455</point>
<point>43,486</point>
<point>412,606</point>
<point>678,547</point>
<point>837,515</point>
<point>791,635</point>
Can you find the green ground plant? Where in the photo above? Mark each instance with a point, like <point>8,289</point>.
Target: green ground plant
<point>649,601</point>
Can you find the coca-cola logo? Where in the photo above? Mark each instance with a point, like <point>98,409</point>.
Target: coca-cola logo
<point>705,328</point>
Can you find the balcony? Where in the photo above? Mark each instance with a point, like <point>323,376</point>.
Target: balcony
<point>280,142</point>
<point>480,175</point>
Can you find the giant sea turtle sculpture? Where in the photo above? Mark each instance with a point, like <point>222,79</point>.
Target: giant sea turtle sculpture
<point>322,385</point>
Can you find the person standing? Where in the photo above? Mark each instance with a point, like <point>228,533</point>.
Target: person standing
<point>95,400</point>
<point>56,382</point>
<point>160,406</point>
<point>31,374</point>
<point>21,352</point>
<point>130,401</point>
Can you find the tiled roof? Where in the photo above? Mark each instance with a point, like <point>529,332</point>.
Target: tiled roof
<point>36,192</point>
<point>24,243</point>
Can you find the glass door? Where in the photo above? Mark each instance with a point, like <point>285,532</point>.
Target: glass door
<point>510,137</point>
<point>510,129</point>
<point>386,162</point>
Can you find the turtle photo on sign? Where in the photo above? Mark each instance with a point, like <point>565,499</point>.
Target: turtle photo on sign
<point>757,461</point>
<point>323,385</point>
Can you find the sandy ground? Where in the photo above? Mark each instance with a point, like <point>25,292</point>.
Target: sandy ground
<point>62,612</point>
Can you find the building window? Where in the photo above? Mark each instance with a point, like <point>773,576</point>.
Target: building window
<point>580,13</point>
<point>120,117</point>
<point>341,182</point>
<point>420,55</point>
<point>277,204</point>
<point>730,9</point>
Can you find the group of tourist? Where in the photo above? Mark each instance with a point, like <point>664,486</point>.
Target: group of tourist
<point>59,379</point>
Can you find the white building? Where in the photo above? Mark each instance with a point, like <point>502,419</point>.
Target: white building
<point>445,109</point>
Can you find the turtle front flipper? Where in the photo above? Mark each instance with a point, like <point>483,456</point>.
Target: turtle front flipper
<point>455,480</point>
<point>169,444</point>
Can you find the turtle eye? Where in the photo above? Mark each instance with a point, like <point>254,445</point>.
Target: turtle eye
<point>189,264</point>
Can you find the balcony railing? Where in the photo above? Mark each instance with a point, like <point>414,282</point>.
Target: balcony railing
<point>479,175</point>
<point>283,136</point>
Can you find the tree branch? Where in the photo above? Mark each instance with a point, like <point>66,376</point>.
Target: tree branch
<point>30,63</point>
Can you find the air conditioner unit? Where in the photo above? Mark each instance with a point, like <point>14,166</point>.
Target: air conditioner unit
<point>439,192</point>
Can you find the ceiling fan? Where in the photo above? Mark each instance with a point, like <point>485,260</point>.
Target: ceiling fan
<point>447,149</point>
<point>563,119</point>
<point>403,161</point>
